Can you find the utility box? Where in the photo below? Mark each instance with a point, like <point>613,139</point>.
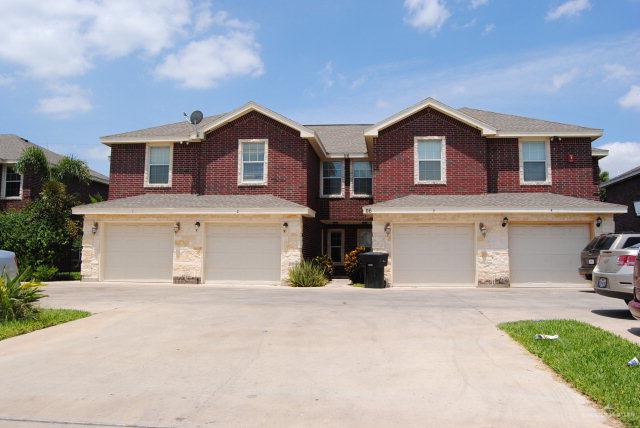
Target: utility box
<point>373,264</point>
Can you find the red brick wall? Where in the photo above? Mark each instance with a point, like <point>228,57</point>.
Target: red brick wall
<point>393,157</point>
<point>567,178</point>
<point>343,209</point>
<point>625,193</point>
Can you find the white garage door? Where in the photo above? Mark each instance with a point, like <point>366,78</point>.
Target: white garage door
<point>243,252</point>
<point>546,254</point>
<point>138,252</point>
<point>433,254</point>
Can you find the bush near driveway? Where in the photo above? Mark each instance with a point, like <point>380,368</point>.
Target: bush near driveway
<point>18,299</point>
<point>355,272</point>
<point>307,274</point>
<point>326,264</point>
<point>593,360</point>
<point>44,318</point>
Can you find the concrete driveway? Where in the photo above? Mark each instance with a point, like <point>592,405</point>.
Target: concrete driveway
<point>276,356</point>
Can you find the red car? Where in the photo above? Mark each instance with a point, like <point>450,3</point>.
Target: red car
<point>634,305</point>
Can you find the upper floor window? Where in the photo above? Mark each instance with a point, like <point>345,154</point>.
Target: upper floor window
<point>332,179</point>
<point>361,178</point>
<point>430,160</point>
<point>534,162</point>
<point>11,182</point>
<point>253,156</point>
<point>159,163</point>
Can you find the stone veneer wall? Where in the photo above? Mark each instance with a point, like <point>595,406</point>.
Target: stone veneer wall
<point>188,251</point>
<point>492,251</point>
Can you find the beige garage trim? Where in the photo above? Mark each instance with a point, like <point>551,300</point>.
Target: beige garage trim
<point>135,252</point>
<point>433,254</point>
<point>546,253</point>
<point>243,252</point>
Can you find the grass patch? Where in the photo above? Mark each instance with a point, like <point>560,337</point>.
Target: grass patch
<point>67,276</point>
<point>593,360</point>
<point>357,284</point>
<point>43,319</point>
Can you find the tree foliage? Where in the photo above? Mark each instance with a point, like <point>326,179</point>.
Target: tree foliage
<point>34,162</point>
<point>603,177</point>
<point>71,170</point>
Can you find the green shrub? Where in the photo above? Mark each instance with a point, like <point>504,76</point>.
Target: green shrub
<point>352,265</point>
<point>326,264</point>
<point>17,300</point>
<point>307,274</point>
<point>44,273</point>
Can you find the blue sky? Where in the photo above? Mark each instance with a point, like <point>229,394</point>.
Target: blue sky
<point>74,70</point>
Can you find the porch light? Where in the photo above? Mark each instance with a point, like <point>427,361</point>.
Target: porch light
<point>505,222</point>
<point>197,225</point>
<point>285,225</point>
<point>387,229</point>
<point>599,222</point>
<point>94,228</point>
<point>483,230</point>
<point>176,227</point>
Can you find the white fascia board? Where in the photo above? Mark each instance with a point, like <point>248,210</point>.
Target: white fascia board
<point>125,140</point>
<point>437,105</point>
<point>348,156</point>
<point>591,134</point>
<point>599,153</point>
<point>80,210</point>
<point>445,210</point>
<point>253,106</point>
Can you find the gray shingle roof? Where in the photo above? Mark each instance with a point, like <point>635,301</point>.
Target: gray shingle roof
<point>510,123</point>
<point>171,203</point>
<point>12,146</point>
<point>624,176</point>
<point>340,139</point>
<point>179,129</point>
<point>495,202</point>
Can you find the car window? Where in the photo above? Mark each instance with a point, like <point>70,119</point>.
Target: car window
<point>592,244</point>
<point>605,242</point>
<point>631,242</point>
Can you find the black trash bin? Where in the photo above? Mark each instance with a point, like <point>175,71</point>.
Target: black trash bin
<point>373,264</point>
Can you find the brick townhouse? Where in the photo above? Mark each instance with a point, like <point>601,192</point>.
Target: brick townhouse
<point>455,196</point>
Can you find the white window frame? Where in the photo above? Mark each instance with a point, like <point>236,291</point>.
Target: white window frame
<point>147,165</point>
<point>443,160</point>
<point>547,145</point>
<point>265,171</point>
<point>352,179</point>
<point>358,231</point>
<point>3,181</point>
<point>329,231</point>
<point>322,195</point>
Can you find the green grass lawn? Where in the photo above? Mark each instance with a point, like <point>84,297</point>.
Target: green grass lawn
<point>593,360</point>
<point>45,318</point>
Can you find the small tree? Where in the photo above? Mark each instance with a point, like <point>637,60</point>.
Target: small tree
<point>352,265</point>
<point>603,177</point>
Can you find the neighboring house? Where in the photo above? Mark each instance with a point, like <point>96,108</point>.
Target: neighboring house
<point>456,196</point>
<point>16,191</point>
<point>625,190</point>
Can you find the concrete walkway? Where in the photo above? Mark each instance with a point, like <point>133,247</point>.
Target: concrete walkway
<point>154,355</point>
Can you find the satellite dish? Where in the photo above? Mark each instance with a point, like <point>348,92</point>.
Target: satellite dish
<point>196,117</point>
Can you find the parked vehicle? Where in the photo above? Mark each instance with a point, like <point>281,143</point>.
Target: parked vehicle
<point>607,241</point>
<point>613,274</point>
<point>634,305</point>
<point>8,263</point>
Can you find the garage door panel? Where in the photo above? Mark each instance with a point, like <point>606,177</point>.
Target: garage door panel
<point>541,254</point>
<point>243,252</point>
<point>138,252</point>
<point>433,254</point>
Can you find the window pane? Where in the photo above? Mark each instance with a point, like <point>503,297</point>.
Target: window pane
<point>362,186</point>
<point>253,152</point>
<point>364,238</point>
<point>535,171</point>
<point>332,186</point>
<point>534,151</point>
<point>430,170</point>
<point>12,189</point>
<point>332,169</point>
<point>362,169</point>
<point>159,174</point>
<point>253,171</point>
<point>12,174</point>
<point>431,150</point>
<point>159,155</point>
<point>336,255</point>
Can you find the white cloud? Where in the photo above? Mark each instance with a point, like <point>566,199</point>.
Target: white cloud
<point>623,156</point>
<point>65,101</point>
<point>5,80</point>
<point>618,72</point>
<point>567,9</point>
<point>560,80</point>
<point>234,54</point>
<point>631,99</point>
<point>488,28</point>
<point>426,14</point>
<point>477,3</point>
